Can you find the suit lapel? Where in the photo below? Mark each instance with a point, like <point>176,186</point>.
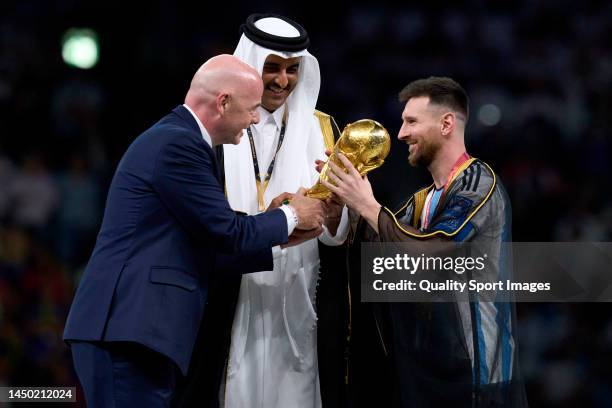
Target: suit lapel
<point>221,165</point>
<point>188,118</point>
<point>216,169</point>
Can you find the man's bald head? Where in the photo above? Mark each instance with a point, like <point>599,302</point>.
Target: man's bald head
<point>222,73</point>
<point>224,94</point>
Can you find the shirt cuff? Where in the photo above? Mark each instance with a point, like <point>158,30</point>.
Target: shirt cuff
<point>341,233</point>
<point>291,218</point>
<point>277,252</point>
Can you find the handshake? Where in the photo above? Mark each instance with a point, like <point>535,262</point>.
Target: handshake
<point>311,214</point>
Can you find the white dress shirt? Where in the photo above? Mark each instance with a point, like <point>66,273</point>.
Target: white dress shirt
<point>265,135</point>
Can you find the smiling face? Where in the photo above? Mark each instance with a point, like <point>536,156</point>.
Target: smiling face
<point>280,75</point>
<point>242,111</point>
<point>421,130</point>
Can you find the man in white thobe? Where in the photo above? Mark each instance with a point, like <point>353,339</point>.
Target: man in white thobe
<point>273,358</point>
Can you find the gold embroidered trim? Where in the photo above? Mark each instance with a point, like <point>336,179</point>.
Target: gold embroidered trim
<point>444,233</point>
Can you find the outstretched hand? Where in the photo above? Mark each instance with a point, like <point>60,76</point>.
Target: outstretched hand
<point>310,211</point>
<point>354,190</point>
<point>320,163</point>
<point>279,200</point>
<point>298,236</point>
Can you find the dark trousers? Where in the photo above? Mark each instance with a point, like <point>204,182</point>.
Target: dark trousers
<point>123,374</point>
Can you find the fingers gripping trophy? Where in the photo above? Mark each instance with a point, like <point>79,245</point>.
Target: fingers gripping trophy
<point>366,143</point>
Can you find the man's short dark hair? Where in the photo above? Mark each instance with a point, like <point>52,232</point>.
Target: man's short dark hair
<point>441,91</point>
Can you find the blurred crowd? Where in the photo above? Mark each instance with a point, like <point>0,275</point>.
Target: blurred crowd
<point>539,74</point>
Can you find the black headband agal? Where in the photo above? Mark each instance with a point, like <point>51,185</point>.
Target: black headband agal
<point>275,42</point>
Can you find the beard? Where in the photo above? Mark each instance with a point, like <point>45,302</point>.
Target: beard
<point>270,102</point>
<point>424,155</point>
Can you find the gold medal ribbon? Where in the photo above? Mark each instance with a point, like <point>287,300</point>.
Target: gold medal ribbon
<point>262,185</point>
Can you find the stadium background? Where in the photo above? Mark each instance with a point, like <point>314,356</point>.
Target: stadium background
<point>539,74</point>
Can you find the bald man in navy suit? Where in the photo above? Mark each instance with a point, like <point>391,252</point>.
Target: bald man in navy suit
<point>167,230</point>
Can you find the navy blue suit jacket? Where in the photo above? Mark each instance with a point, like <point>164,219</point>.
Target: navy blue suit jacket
<point>167,227</point>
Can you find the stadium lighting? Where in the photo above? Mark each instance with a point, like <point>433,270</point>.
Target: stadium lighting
<point>489,114</point>
<point>80,48</point>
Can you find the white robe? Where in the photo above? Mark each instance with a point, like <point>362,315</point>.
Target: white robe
<point>273,359</point>
<point>273,356</point>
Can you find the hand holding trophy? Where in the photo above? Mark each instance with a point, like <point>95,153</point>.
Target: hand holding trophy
<point>365,143</point>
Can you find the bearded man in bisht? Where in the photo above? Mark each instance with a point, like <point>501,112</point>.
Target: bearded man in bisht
<point>271,360</point>
<point>462,351</point>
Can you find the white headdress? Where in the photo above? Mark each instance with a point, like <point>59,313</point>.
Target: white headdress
<point>303,142</point>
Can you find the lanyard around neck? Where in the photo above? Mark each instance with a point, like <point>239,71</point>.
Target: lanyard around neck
<point>262,185</point>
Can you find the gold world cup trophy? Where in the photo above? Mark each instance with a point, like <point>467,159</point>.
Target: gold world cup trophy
<point>366,143</point>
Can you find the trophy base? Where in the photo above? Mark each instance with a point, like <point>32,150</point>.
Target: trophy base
<point>318,194</point>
